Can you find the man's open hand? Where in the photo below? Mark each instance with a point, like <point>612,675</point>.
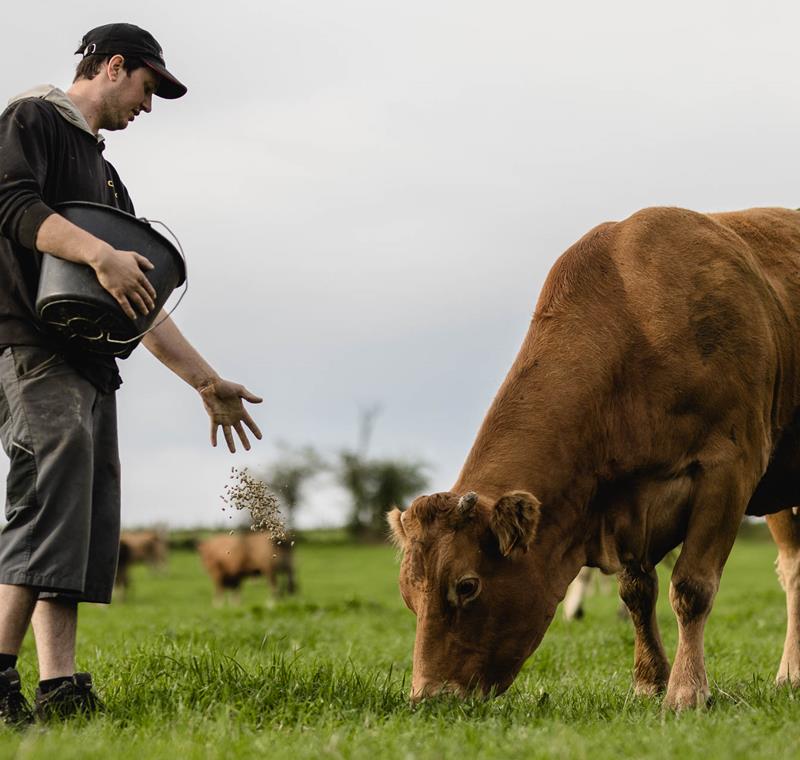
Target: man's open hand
<point>223,402</point>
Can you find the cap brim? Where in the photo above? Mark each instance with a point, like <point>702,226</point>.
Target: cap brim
<point>169,86</point>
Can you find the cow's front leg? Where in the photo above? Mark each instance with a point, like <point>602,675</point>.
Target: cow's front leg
<point>691,599</point>
<point>638,588</point>
<point>785,529</point>
<point>716,513</point>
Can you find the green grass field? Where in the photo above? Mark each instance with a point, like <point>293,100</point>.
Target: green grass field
<point>326,674</point>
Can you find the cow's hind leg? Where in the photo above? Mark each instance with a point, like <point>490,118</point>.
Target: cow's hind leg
<point>785,529</point>
<point>718,508</point>
<point>573,601</point>
<point>638,588</point>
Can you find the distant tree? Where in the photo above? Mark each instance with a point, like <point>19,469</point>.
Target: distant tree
<point>392,482</point>
<point>376,485</point>
<point>352,476</point>
<point>288,474</point>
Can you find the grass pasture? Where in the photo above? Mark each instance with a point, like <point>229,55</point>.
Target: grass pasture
<point>324,675</point>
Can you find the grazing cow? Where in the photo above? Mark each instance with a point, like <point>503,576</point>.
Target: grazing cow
<point>655,401</point>
<point>135,546</point>
<point>229,559</point>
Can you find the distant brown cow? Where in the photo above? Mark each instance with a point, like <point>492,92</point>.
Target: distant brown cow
<point>654,401</point>
<point>230,559</point>
<point>138,546</point>
<point>149,546</point>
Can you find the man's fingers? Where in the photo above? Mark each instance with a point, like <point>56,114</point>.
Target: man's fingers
<point>147,286</point>
<point>214,434</point>
<point>126,307</point>
<point>250,422</point>
<point>140,304</point>
<point>143,261</point>
<point>242,436</point>
<point>226,430</point>
<point>147,298</point>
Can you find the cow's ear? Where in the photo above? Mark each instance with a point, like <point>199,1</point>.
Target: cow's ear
<point>396,531</point>
<point>515,518</point>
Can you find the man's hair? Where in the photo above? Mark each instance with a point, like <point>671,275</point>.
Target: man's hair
<point>89,66</point>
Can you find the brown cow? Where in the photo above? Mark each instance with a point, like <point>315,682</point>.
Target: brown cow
<point>229,559</point>
<point>654,401</point>
<point>135,546</point>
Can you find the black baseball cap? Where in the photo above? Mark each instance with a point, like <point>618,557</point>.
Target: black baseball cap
<point>131,40</point>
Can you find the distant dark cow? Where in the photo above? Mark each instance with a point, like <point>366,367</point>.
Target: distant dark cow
<point>139,546</point>
<point>655,401</point>
<point>230,559</point>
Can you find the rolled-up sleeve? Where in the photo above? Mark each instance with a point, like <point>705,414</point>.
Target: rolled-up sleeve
<point>24,157</point>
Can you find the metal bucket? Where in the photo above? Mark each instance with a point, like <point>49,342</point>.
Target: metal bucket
<point>72,302</point>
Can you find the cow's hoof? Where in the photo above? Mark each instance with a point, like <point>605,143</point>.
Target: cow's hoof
<point>788,677</point>
<point>688,697</point>
<point>649,688</point>
<point>650,676</point>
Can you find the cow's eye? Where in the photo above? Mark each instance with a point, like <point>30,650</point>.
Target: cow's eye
<point>468,588</point>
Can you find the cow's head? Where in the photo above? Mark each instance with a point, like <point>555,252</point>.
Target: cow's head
<point>471,575</point>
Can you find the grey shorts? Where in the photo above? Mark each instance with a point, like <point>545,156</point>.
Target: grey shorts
<point>63,494</point>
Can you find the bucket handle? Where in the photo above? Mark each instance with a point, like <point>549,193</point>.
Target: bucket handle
<point>141,335</point>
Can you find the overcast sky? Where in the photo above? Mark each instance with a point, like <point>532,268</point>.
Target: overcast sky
<point>371,193</point>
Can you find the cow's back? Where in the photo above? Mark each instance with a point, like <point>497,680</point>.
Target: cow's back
<point>224,556</point>
<point>260,551</point>
<point>714,299</point>
<point>704,316</point>
<point>145,546</point>
<point>661,343</point>
<point>695,310</point>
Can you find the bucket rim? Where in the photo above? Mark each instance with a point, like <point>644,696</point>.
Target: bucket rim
<point>131,218</point>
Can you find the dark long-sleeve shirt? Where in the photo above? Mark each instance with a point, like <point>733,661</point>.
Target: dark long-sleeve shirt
<point>46,159</point>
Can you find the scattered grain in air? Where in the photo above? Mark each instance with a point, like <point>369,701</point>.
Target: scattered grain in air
<point>248,492</point>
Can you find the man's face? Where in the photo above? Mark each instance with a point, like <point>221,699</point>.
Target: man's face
<point>128,96</point>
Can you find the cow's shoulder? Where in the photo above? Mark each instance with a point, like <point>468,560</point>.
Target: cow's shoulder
<point>583,267</point>
<point>656,228</point>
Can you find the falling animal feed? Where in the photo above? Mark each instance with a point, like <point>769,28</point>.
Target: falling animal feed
<point>247,492</point>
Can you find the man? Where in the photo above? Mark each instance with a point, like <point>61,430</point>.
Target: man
<point>57,405</point>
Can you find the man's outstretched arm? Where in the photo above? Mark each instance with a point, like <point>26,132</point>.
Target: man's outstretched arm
<point>221,398</point>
